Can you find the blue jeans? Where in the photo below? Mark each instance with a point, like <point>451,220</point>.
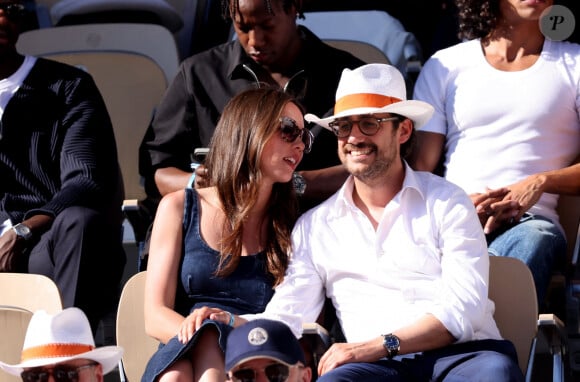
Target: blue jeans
<point>537,242</point>
<point>474,361</point>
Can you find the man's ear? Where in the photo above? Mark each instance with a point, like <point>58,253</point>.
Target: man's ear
<point>405,130</point>
<point>306,374</point>
<point>99,376</point>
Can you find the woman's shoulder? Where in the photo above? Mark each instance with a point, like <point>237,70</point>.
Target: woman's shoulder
<point>208,197</point>
<point>454,59</point>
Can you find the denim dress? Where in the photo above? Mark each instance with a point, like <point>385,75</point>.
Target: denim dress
<point>247,290</point>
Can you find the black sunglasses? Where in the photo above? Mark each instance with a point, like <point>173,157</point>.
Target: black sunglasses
<point>60,373</point>
<point>276,372</point>
<point>13,11</point>
<point>367,125</point>
<point>291,131</point>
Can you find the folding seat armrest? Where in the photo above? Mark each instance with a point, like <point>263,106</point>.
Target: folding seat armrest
<point>317,331</point>
<point>552,332</point>
<point>315,341</point>
<point>138,216</point>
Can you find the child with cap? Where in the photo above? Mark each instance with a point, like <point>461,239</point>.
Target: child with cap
<point>265,348</point>
<point>62,345</point>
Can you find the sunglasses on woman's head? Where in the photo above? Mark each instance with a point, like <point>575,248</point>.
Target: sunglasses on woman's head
<point>291,131</point>
<point>276,372</point>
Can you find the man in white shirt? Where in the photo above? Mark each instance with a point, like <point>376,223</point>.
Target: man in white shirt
<point>401,254</point>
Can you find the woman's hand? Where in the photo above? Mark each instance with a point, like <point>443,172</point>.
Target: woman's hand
<point>193,322</point>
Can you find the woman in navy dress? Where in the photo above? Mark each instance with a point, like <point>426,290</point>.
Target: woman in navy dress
<point>217,252</point>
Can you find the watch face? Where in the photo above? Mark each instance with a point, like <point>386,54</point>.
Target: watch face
<point>392,342</point>
<point>23,231</point>
<point>299,183</point>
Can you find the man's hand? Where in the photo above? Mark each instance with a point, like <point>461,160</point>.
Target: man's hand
<point>201,177</point>
<point>494,209</point>
<point>10,252</point>
<point>526,193</point>
<point>341,353</point>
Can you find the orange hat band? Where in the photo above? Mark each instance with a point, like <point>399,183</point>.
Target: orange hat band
<point>352,101</point>
<point>55,350</point>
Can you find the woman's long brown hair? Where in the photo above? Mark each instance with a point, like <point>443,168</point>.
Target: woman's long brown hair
<point>247,122</point>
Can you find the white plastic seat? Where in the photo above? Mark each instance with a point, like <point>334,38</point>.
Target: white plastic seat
<point>132,65</point>
<point>374,27</point>
<point>166,14</point>
<point>13,325</point>
<point>29,291</point>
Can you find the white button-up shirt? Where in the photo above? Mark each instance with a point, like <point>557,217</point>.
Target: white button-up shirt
<point>427,255</point>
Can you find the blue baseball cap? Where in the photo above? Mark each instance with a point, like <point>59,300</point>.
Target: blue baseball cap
<point>263,338</point>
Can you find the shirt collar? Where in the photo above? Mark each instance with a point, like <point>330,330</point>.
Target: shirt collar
<point>236,69</point>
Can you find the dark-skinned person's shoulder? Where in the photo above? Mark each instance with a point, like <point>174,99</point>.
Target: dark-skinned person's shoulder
<point>327,57</point>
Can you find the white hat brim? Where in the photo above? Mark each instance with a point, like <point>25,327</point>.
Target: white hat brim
<point>417,111</point>
<point>107,356</point>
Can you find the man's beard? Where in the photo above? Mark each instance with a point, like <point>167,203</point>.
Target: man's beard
<point>378,168</point>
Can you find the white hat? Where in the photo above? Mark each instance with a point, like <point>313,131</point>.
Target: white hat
<point>374,88</point>
<point>65,336</point>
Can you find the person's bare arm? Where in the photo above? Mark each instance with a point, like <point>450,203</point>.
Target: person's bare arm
<point>427,152</point>
<point>161,320</point>
<point>527,192</point>
<point>170,179</point>
<point>425,334</point>
<point>508,204</point>
<point>322,183</point>
<point>565,181</point>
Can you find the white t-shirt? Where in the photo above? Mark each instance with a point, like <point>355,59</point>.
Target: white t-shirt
<point>10,85</point>
<point>503,126</point>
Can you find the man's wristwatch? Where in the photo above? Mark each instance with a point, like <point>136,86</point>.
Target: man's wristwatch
<point>392,344</point>
<point>23,231</point>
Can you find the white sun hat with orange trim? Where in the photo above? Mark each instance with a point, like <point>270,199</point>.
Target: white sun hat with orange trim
<point>374,88</point>
<point>60,338</point>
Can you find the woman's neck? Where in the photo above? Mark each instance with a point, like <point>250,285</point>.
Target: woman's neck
<point>513,48</point>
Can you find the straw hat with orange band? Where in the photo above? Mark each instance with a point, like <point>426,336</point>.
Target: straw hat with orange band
<point>60,338</point>
<point>373,89</point>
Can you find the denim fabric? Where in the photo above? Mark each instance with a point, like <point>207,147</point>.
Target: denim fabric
<point>474,361</point>
<point>246,290</point>
<point>537,242</point>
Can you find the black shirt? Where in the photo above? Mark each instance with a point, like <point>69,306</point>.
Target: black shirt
<point>187,115</point>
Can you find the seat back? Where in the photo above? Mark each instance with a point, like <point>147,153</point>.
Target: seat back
<point>139,347</point>
<point>365,51</point>
<point>512,289</point>
<point>569,214</point>
<point>30,291</point>
<point>374,27</point>
<point>13,325</point>
<point>131,65</point>
<point>71,12</point>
